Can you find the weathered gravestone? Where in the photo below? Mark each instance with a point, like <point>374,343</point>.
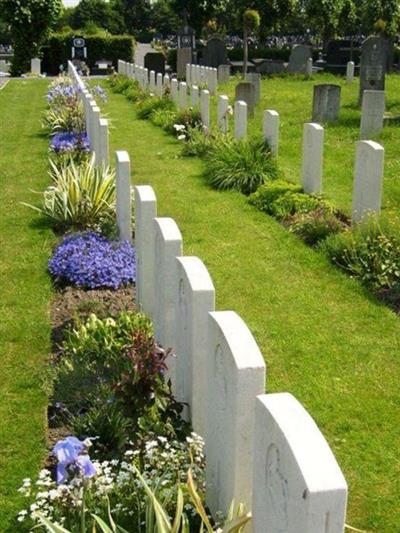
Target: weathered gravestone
<point>215,52</point>
<point>155,61</point>
<point>326,103</point>
<point>245,92</point>
<point>373,108</point>
<point>36,66</point>
<point>271,66</point>
<point>224,74</point>
<point>255,79</point>
<point>298,486</point>
<point>374,60</point>
<point>183,58</point>
<point>298,59</point>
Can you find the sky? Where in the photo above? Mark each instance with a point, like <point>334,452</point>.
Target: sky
<point>70,3</point>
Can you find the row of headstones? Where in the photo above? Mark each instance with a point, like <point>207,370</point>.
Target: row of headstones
<point>96,126</point>
<point>263,450</point>
<point>369,160</point>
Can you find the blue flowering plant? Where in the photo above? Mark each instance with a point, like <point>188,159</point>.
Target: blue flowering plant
<point>100,92</point>
<point>90,261</point>
<point>69,143</point>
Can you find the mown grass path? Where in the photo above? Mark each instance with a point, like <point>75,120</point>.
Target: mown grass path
<point>324,338</point>
<point>25,290</point>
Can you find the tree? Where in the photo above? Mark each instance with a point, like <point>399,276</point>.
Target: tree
<point>163,18</point>
<point>136,14</point>
<point>98,13</point>
<point>30,23</point>
<point>325,16</point>
<point>199,11</point>
<point>251,23</point>
<point>382,16</point>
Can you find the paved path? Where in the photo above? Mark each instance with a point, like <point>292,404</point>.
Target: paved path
<point>141,50</point>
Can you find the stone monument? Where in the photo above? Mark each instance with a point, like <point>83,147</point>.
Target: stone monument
<point>298,59</point>
<point>215,52</point>
<point>326,103</point>
<point>374,61</point>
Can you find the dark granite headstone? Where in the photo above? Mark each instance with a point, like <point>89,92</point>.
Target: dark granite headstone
<point>326,103</point>
<point>215,52</point>
<point>183,58</point>
<point>245,91</point>
<point>155,61</point>
<point>299,56</point>
<point>373,67</point>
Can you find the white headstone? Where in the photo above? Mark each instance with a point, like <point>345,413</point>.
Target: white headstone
<point>313,148</point>
<point>183,96</point>
<point>189,73</point>
<point>213,81</point>
<point>240,119</point>
<point>298,486</point>
<point>193,71</point>
<point>159,85</point>
<point>144,77</point>
<point>205,108</point>
<point>195,300</point>
<point>167,82</point>
<point>271,129</point>
<point>223,113</point>
<point>236,375</point>
<point>36,66</point>
<point>94,129</point>
<point>309,67</point>
<point>368,179</point>
<point>174,90</point>
<point>123,195</point>
<point>103,153</point>
<point>350,72</point>
<point>194,93</point>
<point>372,111</point>
<point>152,84</point>
<point>168,246</point>
<point>145,212</point>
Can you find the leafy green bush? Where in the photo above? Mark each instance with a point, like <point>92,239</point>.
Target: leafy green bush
<point>147,107</point>
<point>268,193</point>
<point>241,165</point>
<point>291,203</point>
<point>164,118</point>
<point>80,197</point>
<point>111,47</point>
<point>369,253</point>
<point>315,226</point>
<point>199,142</point>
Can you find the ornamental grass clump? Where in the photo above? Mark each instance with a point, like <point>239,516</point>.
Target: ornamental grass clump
<point>82,196</point>
<point>240,165</point>
<point>90,261</point>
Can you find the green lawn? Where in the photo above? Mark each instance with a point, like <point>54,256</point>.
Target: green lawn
<point>292,98</point>
<point>323,337</point>
<point>25,291</point>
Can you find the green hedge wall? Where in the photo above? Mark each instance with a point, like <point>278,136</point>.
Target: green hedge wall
<point>57,51</point>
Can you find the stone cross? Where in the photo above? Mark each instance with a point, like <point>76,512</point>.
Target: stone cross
<point>313,147</point>
<point>368,180</point>
<point>240,120</point>
<point>195,299</point>
<point>123,195</point>
<point>372,111</point>
<point>271,130</point>
<point>145,212</point>
<point>223,117</point>
<point>236,375</point>
<point>298,486</point>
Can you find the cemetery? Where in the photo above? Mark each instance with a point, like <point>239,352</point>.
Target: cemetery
<point>200,257</point>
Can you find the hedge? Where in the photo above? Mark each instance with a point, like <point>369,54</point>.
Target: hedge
<point>57,51</point>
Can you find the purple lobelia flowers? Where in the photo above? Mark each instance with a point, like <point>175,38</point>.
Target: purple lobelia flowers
<point>66,142</point>
<point>91,261</point>
<point>72,454</point>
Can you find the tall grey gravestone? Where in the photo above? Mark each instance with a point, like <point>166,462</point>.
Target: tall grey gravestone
<point>246,92</point>
<point>215,52</point>
<point>326,103</point>
<point>298,59</point>
<point>184,57</point>
<point>155,61</point>
<point>224,74</point>
<point>373,66</point>
<point>255,79</point>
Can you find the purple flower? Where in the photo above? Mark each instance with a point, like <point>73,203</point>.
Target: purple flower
<point>91,261</point>
<point>64,142</point>
<point>99,91</point>
<point>70,452</point>
<point>61,93</point>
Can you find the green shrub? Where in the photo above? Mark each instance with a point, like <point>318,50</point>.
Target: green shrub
<point>199,142</point>
<point>148,106</point>
<point>266,194</point>
<point>369,253</point>
<point>241,165</point>
<point>315,226</point>
<point>104,46</point>
<point>164,118</point>
<point>291,203</point>
<point>80,197</point>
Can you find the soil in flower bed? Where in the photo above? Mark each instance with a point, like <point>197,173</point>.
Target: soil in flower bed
<point>72,303</point>
<point>391,298</point>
